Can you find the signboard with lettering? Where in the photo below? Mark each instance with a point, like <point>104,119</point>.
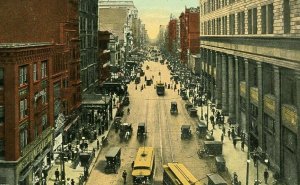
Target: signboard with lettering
<point>289,115</point>
<point>269,103</point>
<point>254,95</point>
<point>36,147</point>
<point>243,88</point>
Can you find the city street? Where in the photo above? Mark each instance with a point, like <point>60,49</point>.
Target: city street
<point>163,132</point>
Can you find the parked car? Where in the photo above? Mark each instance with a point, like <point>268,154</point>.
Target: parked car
<point>186,132</point>
<point>188,106</point>
<point>126,101</point>
<point>113,160</point>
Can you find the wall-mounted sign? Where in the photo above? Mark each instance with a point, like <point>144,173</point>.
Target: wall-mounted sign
<point>289,115</point>
<point>254,95</point>
<point>243,88</point>
<point>269,103</point>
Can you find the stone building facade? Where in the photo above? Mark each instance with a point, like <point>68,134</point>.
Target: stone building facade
<point>88,33</point>
<point>250,58</point>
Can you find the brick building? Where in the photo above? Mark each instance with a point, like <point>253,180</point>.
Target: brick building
<point>250,52</point>
<point>172,35</point>
<point>24,22</point>
<point>189,33</point>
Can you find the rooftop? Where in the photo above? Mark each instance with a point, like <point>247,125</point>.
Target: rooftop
<point>116,3</point>
<point>24,45</point>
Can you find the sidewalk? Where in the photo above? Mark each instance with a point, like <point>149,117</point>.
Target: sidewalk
<point>79,170</point>
<point>236,159</point>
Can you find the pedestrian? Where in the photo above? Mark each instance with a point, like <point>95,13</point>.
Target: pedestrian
<point>228,133</point>
<point>56,173</point>
<point>242,145</point>
<point>232,133</point>
<point>223,130</point>
<point>266,176</point>
<point>135,87</point>
<point>206,116</point>
<point>234,142</point>
<point>235,178</point>
<point>178,91</point>
<point>124,175</point>
<point>222,137</point>
<point>72,182</point>
<point>68,181</point>
<point>69,146</point>
<point>98,144</point>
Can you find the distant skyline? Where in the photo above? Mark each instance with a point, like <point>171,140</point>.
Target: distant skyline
<point>154,13</point>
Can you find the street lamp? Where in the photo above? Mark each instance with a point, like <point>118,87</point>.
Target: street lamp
<point>255,154</point>
<point>207,103</point>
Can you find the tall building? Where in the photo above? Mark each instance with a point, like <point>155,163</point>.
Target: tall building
<point>41,90</point>
<point>88,33</point>
<point>118,17</point>
<point>250,52</point>
<point>172,35</point>
<point>189,33</point>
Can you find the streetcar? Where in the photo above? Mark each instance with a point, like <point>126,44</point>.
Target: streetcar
<point>176,173</point>
<point>144,166</point>
<point>160,89</point>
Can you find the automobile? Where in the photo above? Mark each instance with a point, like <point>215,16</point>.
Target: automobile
<point>117,122</point>
<point>126,101</point>
<point>113,160</point>
<point>193,112</point>
<point>148,82</point>
<point>125,131</point>
<point>215,179</point>
<point>184,97</point>
<point>186,132</point>
<point>141,131</point>
<point>120,112</point>
<point>174,109</point>
<point>201,129</point>
<point>213,147</point>
<point>188,106</point>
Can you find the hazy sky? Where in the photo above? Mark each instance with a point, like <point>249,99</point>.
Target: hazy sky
<point>157,12</point>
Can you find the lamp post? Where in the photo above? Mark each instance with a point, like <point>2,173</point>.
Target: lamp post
<point>255,154</point>
<point>62,164</point>
<point>207,103</point>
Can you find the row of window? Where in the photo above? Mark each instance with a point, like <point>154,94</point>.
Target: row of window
<point>218,26</point>
<point>24,141</point>
<point>212,5</point>
<point>23,74</point>
<point>88,7</point>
